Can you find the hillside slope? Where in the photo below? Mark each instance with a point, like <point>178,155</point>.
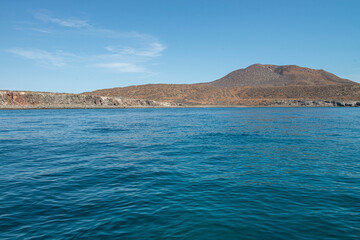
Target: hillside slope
<point>211,95</point>
<point>272,75</point>
<point>254,85</point>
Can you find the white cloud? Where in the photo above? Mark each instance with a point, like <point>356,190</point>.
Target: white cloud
<point>56,59</point>
<point>122,67</point>
<point>153,49</point>
<point>70,22</point>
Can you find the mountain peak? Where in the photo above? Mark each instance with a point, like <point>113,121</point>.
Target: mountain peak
<point>275,75</point>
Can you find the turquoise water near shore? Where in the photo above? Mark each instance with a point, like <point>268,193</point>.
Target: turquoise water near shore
<point>203,173</point>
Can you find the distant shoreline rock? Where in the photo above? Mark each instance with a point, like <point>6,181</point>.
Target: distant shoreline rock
<point>44,100</point>
<point>314,103</point>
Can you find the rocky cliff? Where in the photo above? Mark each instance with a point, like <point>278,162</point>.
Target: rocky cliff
<point>18,99</point>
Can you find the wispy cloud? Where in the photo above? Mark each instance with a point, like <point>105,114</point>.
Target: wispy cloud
<point>39,30</point>
<point>122,67</point>
<point>56,59</point>
<point>69,22</point>
<point>122,52</point>
<point>153,49</point>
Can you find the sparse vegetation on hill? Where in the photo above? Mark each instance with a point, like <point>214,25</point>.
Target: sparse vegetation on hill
<point>256,85</point>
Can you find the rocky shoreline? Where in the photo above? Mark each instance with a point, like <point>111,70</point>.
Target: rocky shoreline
<point>43,100</point>
<point>314,103</point>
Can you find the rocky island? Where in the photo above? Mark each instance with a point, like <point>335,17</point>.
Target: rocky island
<point>256,85</point>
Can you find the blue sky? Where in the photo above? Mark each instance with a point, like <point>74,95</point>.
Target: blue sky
<point>76,46</point>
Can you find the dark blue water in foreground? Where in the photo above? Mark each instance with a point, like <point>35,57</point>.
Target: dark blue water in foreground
<point>219,173</point>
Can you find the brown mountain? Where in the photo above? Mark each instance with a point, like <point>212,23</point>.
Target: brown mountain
<point>272,75</point>
<point>255,85</point>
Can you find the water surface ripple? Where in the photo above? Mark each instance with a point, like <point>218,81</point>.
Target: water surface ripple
<point>216,173</point>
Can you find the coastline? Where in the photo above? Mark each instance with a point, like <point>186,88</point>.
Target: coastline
<point>13,100</point>
<point>50,107</point>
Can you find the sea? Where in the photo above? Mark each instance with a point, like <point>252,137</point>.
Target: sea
<point>180,173</point>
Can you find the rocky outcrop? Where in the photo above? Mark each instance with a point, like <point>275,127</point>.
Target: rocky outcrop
<point>313,103</point>
<point>18,99</point>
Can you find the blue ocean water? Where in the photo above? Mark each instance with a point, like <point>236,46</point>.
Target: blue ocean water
<point>201,173</point>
